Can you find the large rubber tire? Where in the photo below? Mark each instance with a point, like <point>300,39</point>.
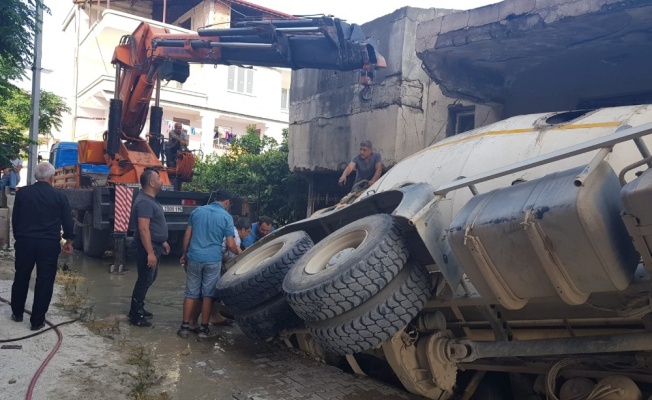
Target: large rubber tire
<point>258,276</point>
<point>346,268</point>
<point>379,318</point>
<point>78,242</point>
<point>268,319</point>
<point>94,240</point>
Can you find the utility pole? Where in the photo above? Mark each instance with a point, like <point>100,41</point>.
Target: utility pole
<point>36,94</point>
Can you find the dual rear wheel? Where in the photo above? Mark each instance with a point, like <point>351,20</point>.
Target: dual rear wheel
<point>354,289</point>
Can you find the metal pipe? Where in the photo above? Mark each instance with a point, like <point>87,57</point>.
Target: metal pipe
<point>157,99</point>
<point>621,175</point>
<point>588,170</point>
<point>413,221</point>
<point>168,43</point>
<point>306,29</point>
<point>115,123</point>
<point>581,148</point>
<point>231,32</point>
<point>602,323</point>
<point>165,7</point>
<point>549,347</point>
<point>642,148</point>
<point>242,45</point>
<point>116,84</point>
<point>567,373</point>
<point>202,44</point>
<point>36,95</point>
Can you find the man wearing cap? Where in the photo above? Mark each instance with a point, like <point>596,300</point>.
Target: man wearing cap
<point>207,227</point>
<point>367,165</point>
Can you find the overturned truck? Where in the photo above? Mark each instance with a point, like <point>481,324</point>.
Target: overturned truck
<point>519,249</point>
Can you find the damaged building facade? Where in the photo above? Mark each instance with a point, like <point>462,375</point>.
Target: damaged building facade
<point>451,71</point>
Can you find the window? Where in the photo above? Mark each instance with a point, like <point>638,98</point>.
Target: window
<point>460,119</point>
<point>241,80</point>
<point>285,99</point>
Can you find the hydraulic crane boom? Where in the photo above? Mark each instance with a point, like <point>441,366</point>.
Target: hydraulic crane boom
<point>152,54</point>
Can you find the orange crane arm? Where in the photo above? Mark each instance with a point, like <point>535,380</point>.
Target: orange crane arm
<point>151,54</point>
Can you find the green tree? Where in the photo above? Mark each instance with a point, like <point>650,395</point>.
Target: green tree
<point>257,169</point>
<point>17,33</point>
<point>16,56</point>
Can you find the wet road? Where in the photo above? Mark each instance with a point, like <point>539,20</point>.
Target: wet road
<point>229,367</point>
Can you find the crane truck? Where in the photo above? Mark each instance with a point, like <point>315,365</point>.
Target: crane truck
<point>152,54</point>
<point>509,262</point>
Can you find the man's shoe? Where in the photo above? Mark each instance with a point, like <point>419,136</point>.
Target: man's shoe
<point>38,327</point>
<point>147,314</point>
<point>16,319</point>
<point>142,322</point>
<point>205,333</point>
<point>183,332</point>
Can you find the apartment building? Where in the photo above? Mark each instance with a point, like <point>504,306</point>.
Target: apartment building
<point>215,102</point>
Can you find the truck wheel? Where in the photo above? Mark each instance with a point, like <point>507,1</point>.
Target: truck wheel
<point>78,242</point>
<point>94,240</point>
<point>347,268</point>
<point>258,276</point>
<point>268,319</point>
<point>376,320</point>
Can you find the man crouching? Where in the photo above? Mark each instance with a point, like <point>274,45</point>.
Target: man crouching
<point>207,227</point>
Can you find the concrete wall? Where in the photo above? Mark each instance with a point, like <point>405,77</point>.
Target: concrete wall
<point>328,119</point>
<point>530,56</point>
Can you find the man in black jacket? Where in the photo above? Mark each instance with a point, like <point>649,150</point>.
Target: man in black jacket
<point>40,212</point>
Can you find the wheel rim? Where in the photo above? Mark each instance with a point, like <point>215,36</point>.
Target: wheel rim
<point>336,252</point>
<point>249,263</point>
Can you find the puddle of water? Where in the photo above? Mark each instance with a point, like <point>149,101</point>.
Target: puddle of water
<point>231,366</point>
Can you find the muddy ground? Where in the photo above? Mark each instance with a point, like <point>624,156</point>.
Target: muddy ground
<point>105,358</point>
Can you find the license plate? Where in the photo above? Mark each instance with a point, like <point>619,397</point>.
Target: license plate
<point>173,209</point>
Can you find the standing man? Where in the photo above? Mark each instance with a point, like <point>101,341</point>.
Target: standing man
<point>367,165</point>
<point>259,230</point>
<point>174,144</point>
<point>207,227</point>
<point>40,212</point>
<point>150,241</point>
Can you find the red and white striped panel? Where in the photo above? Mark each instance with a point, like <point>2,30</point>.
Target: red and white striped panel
<point>123,198</point>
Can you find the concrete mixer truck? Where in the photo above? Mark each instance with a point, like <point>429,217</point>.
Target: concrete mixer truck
<point>511,261</point>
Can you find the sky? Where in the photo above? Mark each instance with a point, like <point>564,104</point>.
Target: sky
<point>353,11</point>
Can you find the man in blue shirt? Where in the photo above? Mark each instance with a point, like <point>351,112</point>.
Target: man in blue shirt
<point>259,230</point>
<point>207,227</point>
